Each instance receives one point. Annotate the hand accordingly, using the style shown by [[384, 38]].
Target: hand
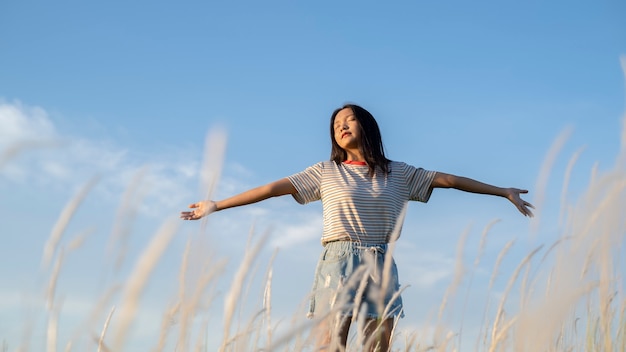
[[201, 209], [513, 194]]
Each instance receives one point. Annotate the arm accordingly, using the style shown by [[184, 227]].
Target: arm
[[274, 189], [442, 180]]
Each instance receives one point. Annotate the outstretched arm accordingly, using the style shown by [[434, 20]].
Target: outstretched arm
[[442, 180], [274, 189]]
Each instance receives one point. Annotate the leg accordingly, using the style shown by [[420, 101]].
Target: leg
[[378, 334], [332, 335]]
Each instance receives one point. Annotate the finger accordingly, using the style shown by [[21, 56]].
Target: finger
[[523, 191], [194, 205], [528, 212], [529, 205], [187, 215]]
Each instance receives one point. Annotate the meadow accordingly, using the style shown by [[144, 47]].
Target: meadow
[[569, 294]]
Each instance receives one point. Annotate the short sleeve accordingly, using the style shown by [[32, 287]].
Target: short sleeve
[[308, 184], [419, 182]]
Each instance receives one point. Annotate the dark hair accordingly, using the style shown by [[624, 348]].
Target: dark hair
[[371, 141]]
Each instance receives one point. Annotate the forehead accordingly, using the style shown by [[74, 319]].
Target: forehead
[[343, 114]]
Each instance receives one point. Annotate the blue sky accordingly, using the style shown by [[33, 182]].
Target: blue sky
[[476, 89]]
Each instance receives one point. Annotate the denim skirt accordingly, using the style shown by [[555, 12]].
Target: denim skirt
[[351, 279]]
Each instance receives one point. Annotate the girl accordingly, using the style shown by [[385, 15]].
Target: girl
[[363, 197]]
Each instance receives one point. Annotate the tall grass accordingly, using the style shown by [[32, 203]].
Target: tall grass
[[571, 292]]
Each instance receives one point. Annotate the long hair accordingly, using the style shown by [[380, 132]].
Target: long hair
[[371, 143]]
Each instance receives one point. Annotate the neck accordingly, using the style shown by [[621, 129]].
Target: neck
[[354, 155]]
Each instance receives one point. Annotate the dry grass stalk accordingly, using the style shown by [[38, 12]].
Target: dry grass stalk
[[104, 330], [16, 148], [202, 340], [410, 340], [544, 321], [502, 334], [234, 294], [167, 321], [139, 278], [595, 230], [485, 321], [214, 151], [191, 306], [499, 259], [386, 274], [297, 330], [568, 173], [481, 248], [182, 284], [621, 331], [396, 295], [79, 240], [248, 288], [621, 161], [360, 292], [544, 174], [52, 330], [459, 272], [54, 276], [267, 300], [50, 293], [211, 170], [496, 338], [63, 220], [96, 313], [126, 213]]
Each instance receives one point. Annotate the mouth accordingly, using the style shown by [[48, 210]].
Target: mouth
[[345, 134]]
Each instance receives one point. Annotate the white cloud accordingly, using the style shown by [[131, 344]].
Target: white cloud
[[26, 158], [23, 128], [308, 227], [19, 123], [423, 269]]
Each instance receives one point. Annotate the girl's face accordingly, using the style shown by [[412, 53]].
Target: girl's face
[[347, 130]]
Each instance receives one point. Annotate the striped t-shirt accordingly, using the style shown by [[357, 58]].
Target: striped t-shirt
[[357, 207]]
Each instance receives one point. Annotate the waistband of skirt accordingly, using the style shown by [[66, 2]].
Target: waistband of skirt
[[347, 244]]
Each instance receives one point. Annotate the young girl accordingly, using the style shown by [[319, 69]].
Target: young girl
[[363, 197]]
